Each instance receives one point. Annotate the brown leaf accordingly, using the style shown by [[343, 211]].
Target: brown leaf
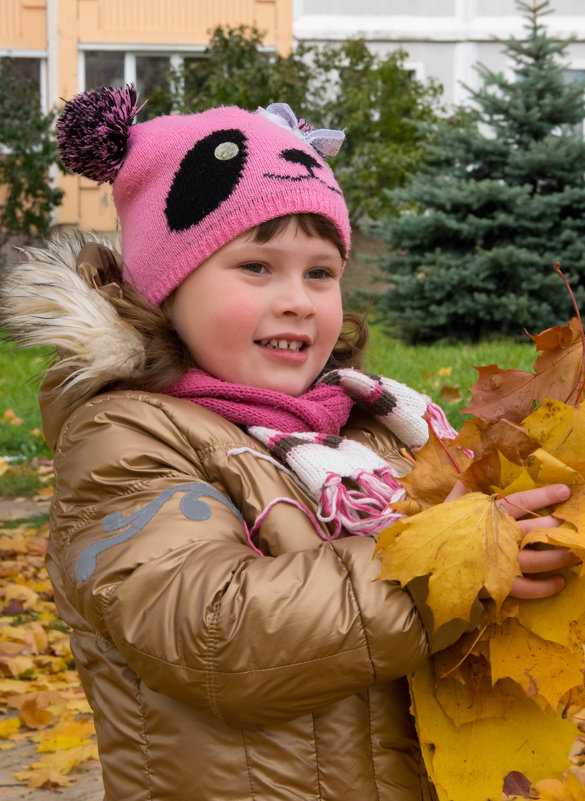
[[508, 438], [514, 394], [34, 717], [516, 783], [450, 394], [434, 474]]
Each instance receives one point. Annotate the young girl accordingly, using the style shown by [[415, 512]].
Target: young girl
[[222, 470]]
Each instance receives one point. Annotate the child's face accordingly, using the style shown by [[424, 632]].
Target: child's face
[[263, 314]]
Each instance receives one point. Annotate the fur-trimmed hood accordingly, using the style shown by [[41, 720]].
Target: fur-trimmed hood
[[52, 298], [49, 299]]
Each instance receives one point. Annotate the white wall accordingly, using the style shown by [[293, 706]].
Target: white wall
[[444, 38]]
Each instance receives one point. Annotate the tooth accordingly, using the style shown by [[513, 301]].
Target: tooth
[[283, 344]]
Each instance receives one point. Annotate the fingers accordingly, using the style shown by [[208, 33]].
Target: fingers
[[532, 561], [548, 521], [531, 589], [520, 503], [458, 491]]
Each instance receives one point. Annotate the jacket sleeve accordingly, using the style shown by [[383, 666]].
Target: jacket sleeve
[[154, 557]]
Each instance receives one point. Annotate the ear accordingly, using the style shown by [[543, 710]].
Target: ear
[[92, 131]]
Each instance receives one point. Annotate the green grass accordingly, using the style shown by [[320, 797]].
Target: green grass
[[21, 439], [434, 369], [19, 388]]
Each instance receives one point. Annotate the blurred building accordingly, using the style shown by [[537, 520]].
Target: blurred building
[[68, 46], [444, 39]]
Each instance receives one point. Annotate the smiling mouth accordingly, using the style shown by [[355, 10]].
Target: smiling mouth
[[282, 344]]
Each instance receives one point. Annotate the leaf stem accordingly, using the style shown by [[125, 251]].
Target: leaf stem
[[558, 271], [465, 655], [441, 443]]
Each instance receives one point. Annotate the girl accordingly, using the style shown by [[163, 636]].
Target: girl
[[222, 470]]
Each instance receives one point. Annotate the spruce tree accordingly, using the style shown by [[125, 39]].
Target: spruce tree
[[500, 200]]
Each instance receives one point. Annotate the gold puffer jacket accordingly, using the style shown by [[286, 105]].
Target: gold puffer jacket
[[215, 674]]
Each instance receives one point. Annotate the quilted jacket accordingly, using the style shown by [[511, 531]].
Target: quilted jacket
[[215, 674]]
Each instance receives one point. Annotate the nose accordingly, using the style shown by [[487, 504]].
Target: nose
[[294, 299]]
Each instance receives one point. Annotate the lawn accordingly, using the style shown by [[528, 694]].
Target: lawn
[[445, 372]]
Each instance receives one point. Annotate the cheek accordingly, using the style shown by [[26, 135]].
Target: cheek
[[334, 321], [223, 326]]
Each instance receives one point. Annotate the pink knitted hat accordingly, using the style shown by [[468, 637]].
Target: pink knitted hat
[[185, 185]]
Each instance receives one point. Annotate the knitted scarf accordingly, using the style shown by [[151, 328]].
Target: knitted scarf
[[353, 487]]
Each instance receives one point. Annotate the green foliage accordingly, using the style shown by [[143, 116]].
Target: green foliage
[[374, 99], [27, 150], [500, 199]]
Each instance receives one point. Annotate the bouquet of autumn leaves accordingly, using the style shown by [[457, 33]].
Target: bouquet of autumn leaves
[[499, 711]]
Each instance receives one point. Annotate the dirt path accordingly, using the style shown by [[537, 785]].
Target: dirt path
[[87, 784]]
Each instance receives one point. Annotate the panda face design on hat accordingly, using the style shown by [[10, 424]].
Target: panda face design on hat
[[219, 160], [185, 185]]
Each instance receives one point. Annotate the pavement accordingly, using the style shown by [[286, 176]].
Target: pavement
[[14, 757]]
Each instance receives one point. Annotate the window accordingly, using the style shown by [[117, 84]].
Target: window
[[147, 70], [103, 68], [28, 72]]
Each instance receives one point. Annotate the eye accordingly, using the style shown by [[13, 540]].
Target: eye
[[320, 273], [255, 267]]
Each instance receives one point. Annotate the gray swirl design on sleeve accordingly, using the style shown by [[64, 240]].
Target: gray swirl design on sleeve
[[191, 505]]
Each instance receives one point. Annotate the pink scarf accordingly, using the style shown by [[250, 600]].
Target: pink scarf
[[353, 487], [324, 409]]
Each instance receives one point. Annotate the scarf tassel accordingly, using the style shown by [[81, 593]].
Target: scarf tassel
[[438, 420], [364, 511]]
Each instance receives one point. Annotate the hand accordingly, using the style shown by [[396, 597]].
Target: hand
[[532, 562]]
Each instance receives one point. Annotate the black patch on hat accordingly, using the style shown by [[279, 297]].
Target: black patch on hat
[[207, 176]]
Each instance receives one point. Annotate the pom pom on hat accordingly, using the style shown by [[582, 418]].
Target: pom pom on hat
[[92, 131]]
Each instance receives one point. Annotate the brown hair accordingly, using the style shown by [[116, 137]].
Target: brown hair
[[167, 357], [310, 224]]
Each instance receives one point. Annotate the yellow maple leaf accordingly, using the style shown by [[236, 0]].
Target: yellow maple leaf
[[60, 742], [548, 469], [554, 618], [18, 592], [545, 670], [513, 477], [52, 768], [463, 545], [462, 705], [17, 665], [560, 429], [9, 727], [470, 763]]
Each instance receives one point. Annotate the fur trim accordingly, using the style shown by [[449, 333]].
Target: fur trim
[[45, 302]]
